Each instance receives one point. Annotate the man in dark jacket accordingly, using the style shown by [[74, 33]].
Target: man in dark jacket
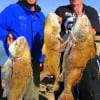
[[64, 12], [68, 15]]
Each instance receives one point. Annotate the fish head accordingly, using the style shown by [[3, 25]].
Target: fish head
[[18, 47], [52, 20], [82, 27]]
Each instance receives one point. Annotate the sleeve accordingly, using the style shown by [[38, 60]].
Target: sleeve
[[3, 34], [5, 22], [58, 12], [38, 35], [94, 19], [42, 38]]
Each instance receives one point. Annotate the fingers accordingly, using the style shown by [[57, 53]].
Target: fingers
[[10, 39], [41, 66], [59, 20], [94, 31]]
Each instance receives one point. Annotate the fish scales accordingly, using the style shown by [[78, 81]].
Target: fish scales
[[79, 49]]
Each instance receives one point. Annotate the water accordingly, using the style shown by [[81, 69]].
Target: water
[[3, 57]]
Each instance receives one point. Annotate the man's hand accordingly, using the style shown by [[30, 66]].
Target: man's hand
[[10, 39], [59, 20], [94, 31], [41, 66]]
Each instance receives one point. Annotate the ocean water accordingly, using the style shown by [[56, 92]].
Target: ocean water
[[3, 57]]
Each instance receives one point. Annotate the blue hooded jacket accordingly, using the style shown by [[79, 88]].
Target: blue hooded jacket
[[19, 20]]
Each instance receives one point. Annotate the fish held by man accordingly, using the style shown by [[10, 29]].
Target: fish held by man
[[79, 49], [51, 47], [21, 69]]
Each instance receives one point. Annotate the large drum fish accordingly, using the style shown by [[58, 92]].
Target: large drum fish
[[52, 42], [79, 49], [21, 69]]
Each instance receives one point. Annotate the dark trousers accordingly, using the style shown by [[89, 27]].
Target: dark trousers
[[36, 73]]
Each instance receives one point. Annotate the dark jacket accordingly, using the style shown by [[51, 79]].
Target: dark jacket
[[89, 11]]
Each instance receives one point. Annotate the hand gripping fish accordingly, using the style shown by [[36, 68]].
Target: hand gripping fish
[[79, 49], [21, 69], [52, 42]]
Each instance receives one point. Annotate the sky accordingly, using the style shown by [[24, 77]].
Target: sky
[[51, 5]]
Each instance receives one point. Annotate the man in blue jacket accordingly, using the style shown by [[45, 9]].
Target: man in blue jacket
[[24, 18]]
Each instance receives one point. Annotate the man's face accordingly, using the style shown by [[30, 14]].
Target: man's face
[[75, 2], [77, 6], [31, 2]]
